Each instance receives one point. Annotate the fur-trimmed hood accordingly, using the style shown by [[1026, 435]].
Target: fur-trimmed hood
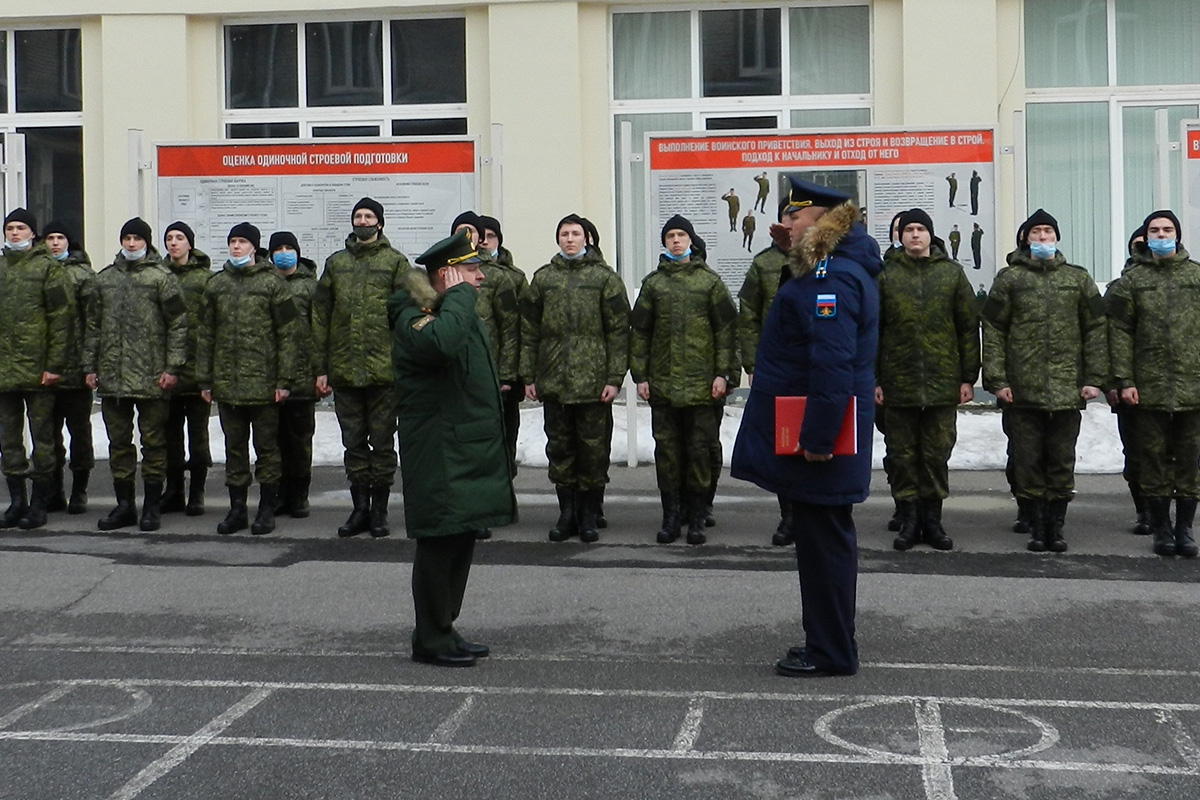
[[837, 231]]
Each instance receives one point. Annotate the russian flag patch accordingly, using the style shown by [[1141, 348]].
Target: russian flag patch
[[827, 306]]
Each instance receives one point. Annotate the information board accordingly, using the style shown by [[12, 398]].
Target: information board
[[1190, 235], [309, 187], [729, 185]]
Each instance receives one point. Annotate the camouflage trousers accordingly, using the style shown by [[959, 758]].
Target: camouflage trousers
[[152, 429], [1041, 448], [1169, 448], [367, 416], [1127, 430], [73, 408], [578, 443], [717, 455], [881, 426], [512, 423], [191, 412], [683, 441], [38, 408], [919, 442], [239, 422], [297, 424]]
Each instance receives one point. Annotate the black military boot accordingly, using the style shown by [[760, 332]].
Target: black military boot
[[125, 514], [57, 501], [77, 504], [897, 518], [195, 501], [601, 520], [1160, 525], [910, 525], [1036, 508], [587, 506], [379, 508], [360, 518], [669, 531], [1021, 525], [35, 514], [1141, 526], [173, 498], [1056, 517], [283, 497], [565, 527], [697, 511], [783, 531], [298, 507], [19, 503], [932, 531], [264, 520], [238, 517], [1185, 542], [152, 507]]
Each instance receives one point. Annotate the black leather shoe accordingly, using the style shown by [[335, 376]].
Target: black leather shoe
[[799, 668], [483, 534], [796, 652], [474, 649], [452, 659]]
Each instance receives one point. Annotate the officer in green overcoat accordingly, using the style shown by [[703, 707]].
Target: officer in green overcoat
[[453, 460]]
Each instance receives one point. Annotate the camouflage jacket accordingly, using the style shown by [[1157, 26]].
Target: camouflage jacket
[[78, 266], [496, 303], [193, 278], [928, 331], [139, 330], [754, 300], [247, 343], [1043, 333], [1154, 331], [682, 334], [574, 329], [36, 312], [351, 339], [303, 285]]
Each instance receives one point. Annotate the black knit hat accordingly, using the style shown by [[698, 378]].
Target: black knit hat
[[678, 223], [371, 205], [22, 215], [468, 218], [137, 227], [492, 224], [281, 238], [244, 230], [1139, 234], [57, 226], [918, 216], [183, 228], [895, 223], [570, 219], [1166, 214], [1039, 217]]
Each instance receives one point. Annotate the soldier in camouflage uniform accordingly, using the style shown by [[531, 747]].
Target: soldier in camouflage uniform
[[683, 357], [511, 388], [246, 361], [136, 347], [188, 410], [36, 311], [351, 346], [1154, 347], [298, 413], [927, 365], [574, 355], [758, 290], [72, 398], [894, 249], [1045, 354]]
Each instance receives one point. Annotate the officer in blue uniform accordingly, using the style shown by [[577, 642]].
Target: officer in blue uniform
[[818, 341]]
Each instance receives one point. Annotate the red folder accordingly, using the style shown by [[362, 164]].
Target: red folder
[[789, 415]]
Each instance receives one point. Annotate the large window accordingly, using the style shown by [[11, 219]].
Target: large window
[[371, 77], [1096, 73]]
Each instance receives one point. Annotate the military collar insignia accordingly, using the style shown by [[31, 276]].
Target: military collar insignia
[[826, 306], [822, 269], [423, 321]]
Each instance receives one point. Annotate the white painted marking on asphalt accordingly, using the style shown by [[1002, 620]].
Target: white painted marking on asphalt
[[28, 708], [445, 732], [685, 740], [931, 735], [1185, 745], [141, 701], [182, 751]]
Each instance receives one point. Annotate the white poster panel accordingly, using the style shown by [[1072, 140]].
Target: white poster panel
[[1190, 235]]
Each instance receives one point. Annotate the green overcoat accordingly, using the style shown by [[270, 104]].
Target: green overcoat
[[78, 266], [193, 278], [754, 300], [303, 285], [35, 317]]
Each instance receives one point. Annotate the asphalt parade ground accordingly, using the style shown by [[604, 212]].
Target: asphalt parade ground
[[183, 664]]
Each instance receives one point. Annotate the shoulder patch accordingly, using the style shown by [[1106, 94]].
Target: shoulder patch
[[826, 306], [422, 322]]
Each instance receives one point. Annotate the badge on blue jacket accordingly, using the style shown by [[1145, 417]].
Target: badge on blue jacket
[[827, 306]]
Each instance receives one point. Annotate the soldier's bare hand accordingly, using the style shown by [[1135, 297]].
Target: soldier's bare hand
[[609, 393], [718, 388], [504, 387], [50, 378], [452, 277], [1004, 394], [281, 395], [817, 456], [1129, 396], [878, 395], [90, 381], [1113, 397], [531, 392], [322, 386], [966, 393], [167, 381], [206, 395], [1089, 392], [643, 390]]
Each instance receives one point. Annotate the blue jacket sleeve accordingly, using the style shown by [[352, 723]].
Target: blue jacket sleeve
[[832, 350]]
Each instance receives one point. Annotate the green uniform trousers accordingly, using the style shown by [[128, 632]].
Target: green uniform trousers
[[881, 426], [152, 430], [716, 454], [578, 443], [191, 412], [367, 416], [38, 408], [239, 422], [1169, 447], [297, 424], [73, 408], [512, 423], [1127, 430], [440, 570], [683, 440], [919, 442], [1041, 446]]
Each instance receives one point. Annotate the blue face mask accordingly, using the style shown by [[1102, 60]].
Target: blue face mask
[[496, 253], [62, 256], [133, 256], [24, 244], [685, 254], [572, 258], [239, 261], [1161, 247], [285, 259], [1043, 250]]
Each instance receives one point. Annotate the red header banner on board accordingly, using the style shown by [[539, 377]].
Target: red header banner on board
[[382, 158]]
